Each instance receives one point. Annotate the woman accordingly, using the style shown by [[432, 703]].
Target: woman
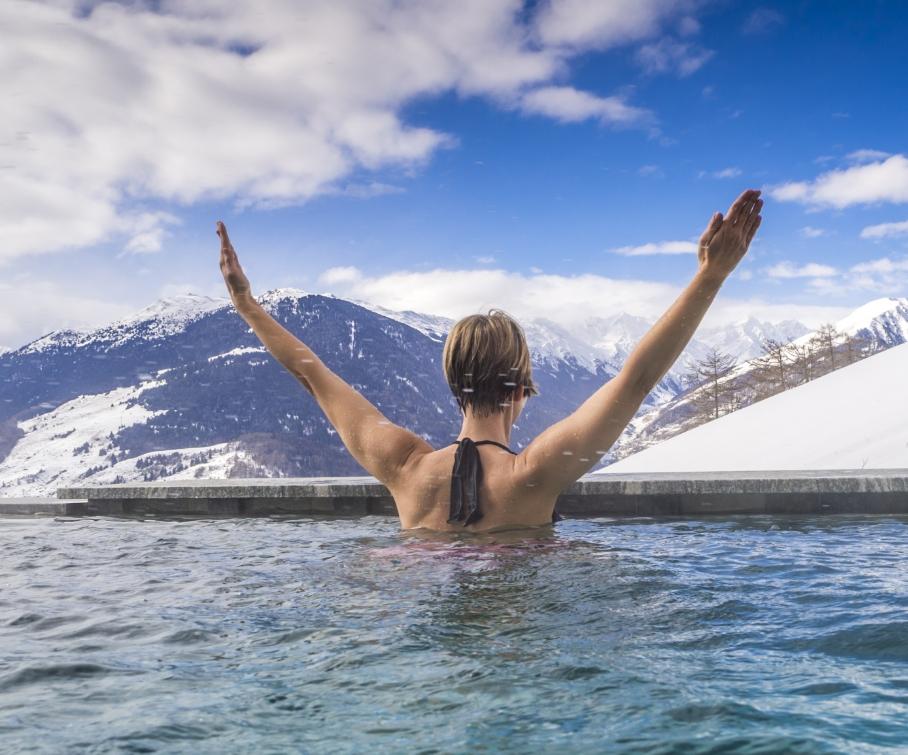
[[477, 483]]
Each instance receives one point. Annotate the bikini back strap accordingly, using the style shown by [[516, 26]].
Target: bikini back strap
[[494, 443], [465, 479]]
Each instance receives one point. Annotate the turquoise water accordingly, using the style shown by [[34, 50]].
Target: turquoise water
[[748, 634]]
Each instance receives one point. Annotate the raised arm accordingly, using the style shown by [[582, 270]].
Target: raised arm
[[568, 449], [380, 446]]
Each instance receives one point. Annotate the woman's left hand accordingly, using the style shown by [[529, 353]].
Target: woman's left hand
[[234, 277]]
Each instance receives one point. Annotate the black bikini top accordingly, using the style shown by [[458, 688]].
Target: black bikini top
[[465, 479]]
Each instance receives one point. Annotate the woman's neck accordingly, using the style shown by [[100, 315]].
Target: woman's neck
[[495, 427]]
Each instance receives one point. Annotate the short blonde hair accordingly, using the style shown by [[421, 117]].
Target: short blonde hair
[[486, 359]]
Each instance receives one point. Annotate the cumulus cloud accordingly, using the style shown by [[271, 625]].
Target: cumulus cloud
[[339, 275], [668, 54], [809, 232], [657, 247], [882, 265], [37, 307], [569, 300], [810, 270], [454, 293], [567, 104], [884, 276], [869, 183], [166, 103], [880, 277], [147, 231], [581, 24], [885, 230]]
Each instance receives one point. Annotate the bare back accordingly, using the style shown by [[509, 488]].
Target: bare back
[[508, 494]]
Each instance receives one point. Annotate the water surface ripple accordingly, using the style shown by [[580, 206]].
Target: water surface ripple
[[740, 634]]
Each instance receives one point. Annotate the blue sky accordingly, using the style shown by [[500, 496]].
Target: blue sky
[[449, 157]]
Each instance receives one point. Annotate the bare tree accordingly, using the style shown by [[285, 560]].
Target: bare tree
[[712, 395], [858, 346], [771, 370], [825, 340], [803, 359]]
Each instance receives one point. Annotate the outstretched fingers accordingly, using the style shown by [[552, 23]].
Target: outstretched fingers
[[741, 208], [227, 251], [715, 223], [752, 229], [752, 217]]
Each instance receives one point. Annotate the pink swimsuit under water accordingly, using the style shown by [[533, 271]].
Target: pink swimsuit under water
[[465, 479]]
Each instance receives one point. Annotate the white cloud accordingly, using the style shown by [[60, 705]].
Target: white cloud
[[688, 26], [658, 247], [567, 104], [668, 54], [882, 265], [171, 103], [30, 308], [867, 155], [762, 20], [810, 270], [454, 293], [885, 230], [809, 232], [567, 300], [147, 231], [884, 276], [601, 25], [885, 181], [650, 170], [339, 275], [730, 172], [485, 260]]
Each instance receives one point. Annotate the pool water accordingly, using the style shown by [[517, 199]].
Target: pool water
[[744, 634]]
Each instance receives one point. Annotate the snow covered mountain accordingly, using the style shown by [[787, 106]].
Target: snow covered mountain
[[882, 322], [183, 389], [853, 418], [744, 339]]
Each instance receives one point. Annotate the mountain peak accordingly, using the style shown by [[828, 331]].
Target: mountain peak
[[176, 306], [274, 295]]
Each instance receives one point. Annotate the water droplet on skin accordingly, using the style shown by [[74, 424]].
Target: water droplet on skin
[[567, 453]]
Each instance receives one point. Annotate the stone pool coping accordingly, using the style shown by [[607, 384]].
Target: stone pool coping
[[691, 494]]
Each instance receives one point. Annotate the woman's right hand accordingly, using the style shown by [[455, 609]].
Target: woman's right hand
[[725, 240]]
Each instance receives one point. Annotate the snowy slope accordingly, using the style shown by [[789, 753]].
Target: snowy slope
[[70, 440], [156, 322], [853, 418], [744, 339], [884, 321]]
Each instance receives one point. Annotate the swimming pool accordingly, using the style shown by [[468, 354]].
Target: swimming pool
[[747, 634]]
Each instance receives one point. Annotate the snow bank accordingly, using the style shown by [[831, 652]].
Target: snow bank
[[853, 418]]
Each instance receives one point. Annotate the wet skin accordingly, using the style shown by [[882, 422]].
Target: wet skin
[[517, 490]]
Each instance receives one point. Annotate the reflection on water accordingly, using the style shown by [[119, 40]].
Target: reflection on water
[[750, 634]]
